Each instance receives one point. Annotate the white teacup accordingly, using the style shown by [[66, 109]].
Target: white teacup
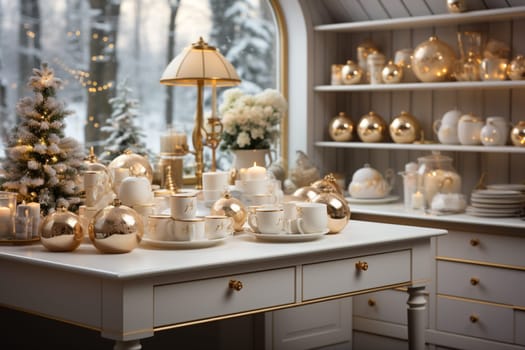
[[192, 229], [268, 220], [218, 226], [160, 227], [212, 195], [290, 217], [183, 205], [312, 217]]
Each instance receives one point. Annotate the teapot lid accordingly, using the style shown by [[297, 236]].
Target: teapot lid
[[366, 172]]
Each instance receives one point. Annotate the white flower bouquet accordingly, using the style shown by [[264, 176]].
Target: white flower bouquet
[[251, 121]]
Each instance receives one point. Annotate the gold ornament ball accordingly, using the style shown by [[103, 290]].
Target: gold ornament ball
[[516, 68], [341, 128], [232, 207], [337, 208], [116, 229], [138, 165], [351, 73], [392, 73], [517, 134], [61, 231], [328, 184], [371, 128], [305, 193], [433, 60], [456, 6], [404, 128]]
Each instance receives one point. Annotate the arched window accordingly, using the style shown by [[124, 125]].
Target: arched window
[[120, 50]]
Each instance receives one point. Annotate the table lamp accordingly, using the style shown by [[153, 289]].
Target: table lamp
[[200, 65]]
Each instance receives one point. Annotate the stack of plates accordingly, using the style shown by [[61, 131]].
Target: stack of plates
[[497, 203]]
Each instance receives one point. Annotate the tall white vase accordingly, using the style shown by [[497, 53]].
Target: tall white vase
[[245, 158]]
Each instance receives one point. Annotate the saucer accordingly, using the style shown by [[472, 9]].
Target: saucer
[[290, 237], [184, 244]]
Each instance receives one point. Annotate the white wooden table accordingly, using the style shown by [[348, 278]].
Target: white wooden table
[[131, 296]]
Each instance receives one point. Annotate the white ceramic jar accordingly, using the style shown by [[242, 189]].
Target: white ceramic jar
[[446, 128], [495, 132], [469, 129]]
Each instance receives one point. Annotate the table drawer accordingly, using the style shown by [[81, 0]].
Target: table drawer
[[494, 284], [475, 319], [387, 306], [179, 302], [497, 249], [344, 276]]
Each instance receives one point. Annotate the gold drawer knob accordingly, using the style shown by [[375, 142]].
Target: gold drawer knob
[[235, 285], [371, 302], [474, 318], [474, 281], [474, 242], [361, 265]]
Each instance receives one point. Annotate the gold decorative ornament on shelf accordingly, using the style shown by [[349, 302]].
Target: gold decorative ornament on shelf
[[61, 231], [341, 128], [371, 127]]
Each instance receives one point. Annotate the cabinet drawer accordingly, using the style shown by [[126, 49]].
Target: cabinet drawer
[[387, 305], [175, 303], [497, 249], [488, 321], [494, 284], [343, 276]]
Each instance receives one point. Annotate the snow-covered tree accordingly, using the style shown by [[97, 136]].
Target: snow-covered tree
[[42, 165], [123, 132], [246, 40]]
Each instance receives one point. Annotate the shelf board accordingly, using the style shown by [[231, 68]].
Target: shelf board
[[492, 15], [455, 85], [421, 147]]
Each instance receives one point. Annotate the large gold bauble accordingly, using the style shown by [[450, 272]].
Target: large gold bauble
[[433, 60], [351, 73], [116, 229], [517, 134], [404, 128], [516, 68], [328, 184], [232, 207], [337, 208], [341, 128], [61, 231], [305, 193], [138, 165], [371, 128]]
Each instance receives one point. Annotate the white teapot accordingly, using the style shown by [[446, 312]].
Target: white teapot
[[367, 182]]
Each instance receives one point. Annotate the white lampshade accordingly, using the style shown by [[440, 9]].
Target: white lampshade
[[200, 62]]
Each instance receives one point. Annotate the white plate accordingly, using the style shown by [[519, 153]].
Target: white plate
[[477, 212], [489, 205], [184, 244], [496, 193], [508, 187], [516, 201], [387, 199], [289, 237]]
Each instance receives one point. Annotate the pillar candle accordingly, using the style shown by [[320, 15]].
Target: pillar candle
[[417, 200], [33, 211], [256, 172]]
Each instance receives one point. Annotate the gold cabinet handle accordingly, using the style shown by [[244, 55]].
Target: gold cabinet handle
[[474, 281], [474, 242], [473, 318], [371, 302], [235, 285], [361, 265]]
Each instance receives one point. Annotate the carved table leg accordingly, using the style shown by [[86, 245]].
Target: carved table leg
[[416, 318], [127, 345]]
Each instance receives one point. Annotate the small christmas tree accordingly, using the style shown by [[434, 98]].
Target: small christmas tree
[[123, 133], [42, 165]]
